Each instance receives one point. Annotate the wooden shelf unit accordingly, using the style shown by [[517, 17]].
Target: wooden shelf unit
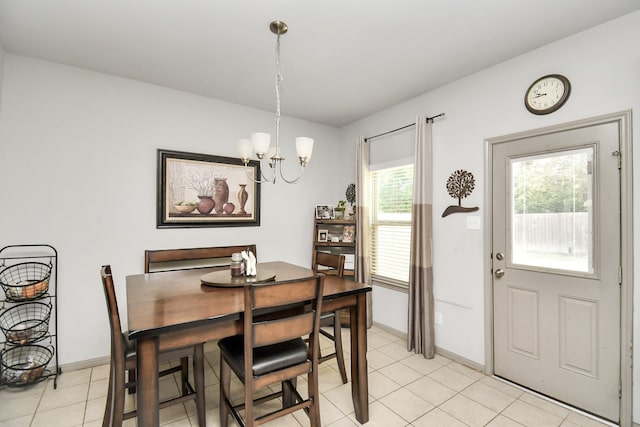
[[335, 228]]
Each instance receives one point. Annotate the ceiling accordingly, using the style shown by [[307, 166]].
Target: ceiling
[[341, 59]]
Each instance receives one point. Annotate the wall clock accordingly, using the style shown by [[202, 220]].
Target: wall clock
[[547, 94]]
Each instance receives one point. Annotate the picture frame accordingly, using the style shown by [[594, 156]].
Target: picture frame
[[323, 235], [347, 233], [201, 190], [325, 212]]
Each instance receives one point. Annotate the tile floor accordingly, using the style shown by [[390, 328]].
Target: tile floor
[[405, 390]]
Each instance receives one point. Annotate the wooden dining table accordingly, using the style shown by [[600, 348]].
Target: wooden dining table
[[169, 310]]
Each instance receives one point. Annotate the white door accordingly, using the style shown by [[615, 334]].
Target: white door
[[556, 264]]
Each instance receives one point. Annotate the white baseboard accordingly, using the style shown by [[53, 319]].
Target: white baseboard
[[442, 352], [459, 359], [84, 364], [391, 330]]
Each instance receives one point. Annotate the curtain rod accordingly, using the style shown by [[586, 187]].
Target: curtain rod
[[429, 119]]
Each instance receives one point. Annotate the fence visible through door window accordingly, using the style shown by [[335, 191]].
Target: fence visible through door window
[[551, 210]]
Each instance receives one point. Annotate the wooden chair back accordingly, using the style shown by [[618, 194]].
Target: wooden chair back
[[188, 258], [286, 319], [332, 261], [277, 314], [124, 358], [272, 314], [332, 264], [117, 340]]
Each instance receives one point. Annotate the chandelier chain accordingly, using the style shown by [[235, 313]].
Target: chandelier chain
[[278, 82]]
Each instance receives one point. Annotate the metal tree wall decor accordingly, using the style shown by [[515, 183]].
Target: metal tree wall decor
[[350, 194], [460, 185]]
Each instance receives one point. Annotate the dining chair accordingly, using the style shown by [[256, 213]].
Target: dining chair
[[271, 350], [334, 264], [158, 260], [123, 357]]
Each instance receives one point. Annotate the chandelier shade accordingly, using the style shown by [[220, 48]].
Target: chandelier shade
[[261, 142], [304, 148]]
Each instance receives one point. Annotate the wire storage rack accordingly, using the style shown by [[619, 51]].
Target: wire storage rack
[[28, 315]]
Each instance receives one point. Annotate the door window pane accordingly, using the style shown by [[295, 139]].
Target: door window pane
[[551, 210]]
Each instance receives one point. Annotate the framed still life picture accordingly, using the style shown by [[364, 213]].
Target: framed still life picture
[[200, 190]]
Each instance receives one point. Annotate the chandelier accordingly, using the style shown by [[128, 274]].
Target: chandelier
[[260, 142]]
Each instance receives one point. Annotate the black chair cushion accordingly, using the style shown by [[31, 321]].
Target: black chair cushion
[[265, 359]]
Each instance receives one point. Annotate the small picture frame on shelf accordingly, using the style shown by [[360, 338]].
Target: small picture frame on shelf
[[325, 212], [323, 235], [347, 233]]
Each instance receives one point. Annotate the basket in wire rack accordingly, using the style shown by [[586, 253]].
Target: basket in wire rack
[[24, 281], [25, 323], [25, 364]]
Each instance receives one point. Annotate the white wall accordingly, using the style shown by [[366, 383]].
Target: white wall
[[1, 71], [78, 171], [603, 65]]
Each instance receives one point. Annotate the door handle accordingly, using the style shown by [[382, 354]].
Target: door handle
[[499, 273]]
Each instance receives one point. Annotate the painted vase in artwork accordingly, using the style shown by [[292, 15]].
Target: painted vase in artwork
[[205, 205], [228, 208], [220, 193], [243, 196]]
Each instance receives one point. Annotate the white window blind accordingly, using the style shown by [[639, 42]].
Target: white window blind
[[391, 202]]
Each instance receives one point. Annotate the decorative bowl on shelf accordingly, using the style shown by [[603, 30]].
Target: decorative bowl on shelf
[[185, 209]]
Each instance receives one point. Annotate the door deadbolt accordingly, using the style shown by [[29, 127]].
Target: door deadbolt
[[499, 273], [499, 256]]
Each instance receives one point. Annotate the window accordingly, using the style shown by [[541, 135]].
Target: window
[[391, 204], [552, 210]]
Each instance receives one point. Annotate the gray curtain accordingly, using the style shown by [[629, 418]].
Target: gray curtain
[[421, 335], [362, 267]]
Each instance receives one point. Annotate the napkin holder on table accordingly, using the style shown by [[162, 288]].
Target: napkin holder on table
[[250, 263]]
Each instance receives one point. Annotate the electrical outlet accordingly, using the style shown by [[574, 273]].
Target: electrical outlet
[[438, 318]]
